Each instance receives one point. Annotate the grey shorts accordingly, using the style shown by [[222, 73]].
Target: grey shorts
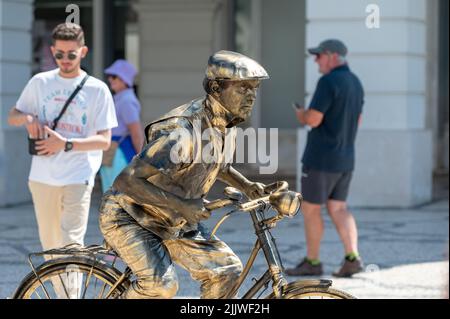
[[318, 186]]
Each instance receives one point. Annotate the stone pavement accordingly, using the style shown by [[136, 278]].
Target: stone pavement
[[405, 250]]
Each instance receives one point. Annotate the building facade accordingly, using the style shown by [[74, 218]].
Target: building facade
[[15, 69], [398, 145], [402, 62]]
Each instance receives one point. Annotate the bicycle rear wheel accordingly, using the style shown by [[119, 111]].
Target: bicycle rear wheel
[[70, 278]]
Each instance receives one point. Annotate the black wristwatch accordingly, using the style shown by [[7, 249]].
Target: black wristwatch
[[68, 146]]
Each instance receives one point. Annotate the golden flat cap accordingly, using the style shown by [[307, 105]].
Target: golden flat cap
[[233, 66]]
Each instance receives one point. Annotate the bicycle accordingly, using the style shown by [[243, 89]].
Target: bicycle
[[62, 274]]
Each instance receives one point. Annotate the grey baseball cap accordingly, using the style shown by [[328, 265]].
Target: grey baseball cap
[[331, 46]]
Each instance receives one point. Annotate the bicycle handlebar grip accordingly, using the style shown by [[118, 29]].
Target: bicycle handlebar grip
[[219, 203], [276, 187]]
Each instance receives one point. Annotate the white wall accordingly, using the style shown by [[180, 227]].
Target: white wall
[[15, 68]]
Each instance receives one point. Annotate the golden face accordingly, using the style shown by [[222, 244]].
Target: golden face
[[238, 97]]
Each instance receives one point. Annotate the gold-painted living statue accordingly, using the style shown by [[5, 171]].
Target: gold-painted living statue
[[151, 217]]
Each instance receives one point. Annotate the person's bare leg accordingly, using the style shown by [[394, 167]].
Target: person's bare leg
[[345, 225], [313, 229]]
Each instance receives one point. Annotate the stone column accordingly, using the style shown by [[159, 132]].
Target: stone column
[[394, 145], [176, 39], [15, 66], [98, 22]]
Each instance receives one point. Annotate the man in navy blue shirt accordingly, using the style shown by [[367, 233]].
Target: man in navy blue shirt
[[328, 161]]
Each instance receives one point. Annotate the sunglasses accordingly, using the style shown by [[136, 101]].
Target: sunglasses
[[71, 56], [319, 55]]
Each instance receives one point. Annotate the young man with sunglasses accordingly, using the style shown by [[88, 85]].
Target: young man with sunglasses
[[68, 157]]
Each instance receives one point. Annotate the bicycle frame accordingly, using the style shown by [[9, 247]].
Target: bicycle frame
[[274, 272]]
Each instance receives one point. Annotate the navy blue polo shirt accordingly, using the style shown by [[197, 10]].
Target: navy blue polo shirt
[[331, 146]]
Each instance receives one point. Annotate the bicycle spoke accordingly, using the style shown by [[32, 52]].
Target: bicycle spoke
[[37, 293], [45, 289], [64, 286], [103, 290], [88, 279], [95, 288], [46, 294]]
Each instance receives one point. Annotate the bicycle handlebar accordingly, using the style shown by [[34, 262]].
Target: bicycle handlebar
[[253, 204], [221, 203]]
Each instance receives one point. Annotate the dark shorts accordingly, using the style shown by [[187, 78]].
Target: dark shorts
[[318, 186]]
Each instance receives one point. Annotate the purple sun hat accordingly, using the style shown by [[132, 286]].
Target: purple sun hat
[[124, 70]]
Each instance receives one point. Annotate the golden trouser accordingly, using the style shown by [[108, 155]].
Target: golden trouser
[[150, 258]]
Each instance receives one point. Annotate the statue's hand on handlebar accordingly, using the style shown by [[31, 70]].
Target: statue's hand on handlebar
[[255, 190]]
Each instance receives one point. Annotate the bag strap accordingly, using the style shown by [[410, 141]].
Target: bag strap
[[74, 93]]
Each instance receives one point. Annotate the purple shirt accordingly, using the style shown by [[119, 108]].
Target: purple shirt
[[128, 109]]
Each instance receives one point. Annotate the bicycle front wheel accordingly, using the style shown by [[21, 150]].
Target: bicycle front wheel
[[319, 293], [312, 290], [70, 278]]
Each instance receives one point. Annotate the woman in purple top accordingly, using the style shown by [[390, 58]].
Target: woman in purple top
[[129, 132]]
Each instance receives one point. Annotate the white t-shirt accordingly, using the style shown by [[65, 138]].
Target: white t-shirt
[[91, 110]]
